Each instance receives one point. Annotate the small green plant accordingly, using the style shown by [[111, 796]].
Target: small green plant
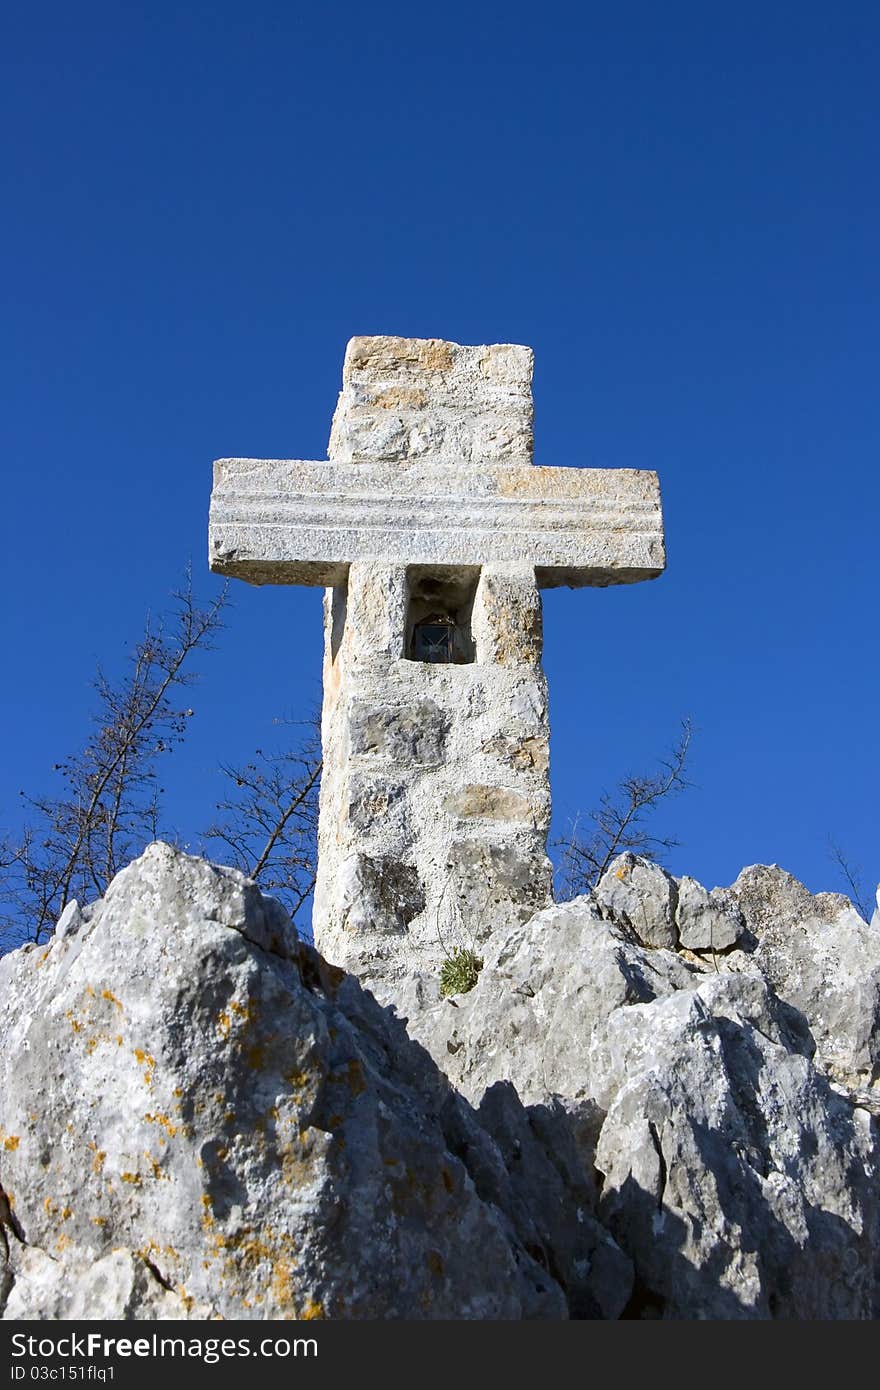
[[459, 971]]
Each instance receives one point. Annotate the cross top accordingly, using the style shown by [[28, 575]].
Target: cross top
[[430, 463], [411, 400]]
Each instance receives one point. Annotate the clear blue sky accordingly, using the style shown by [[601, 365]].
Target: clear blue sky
[[676, 205]]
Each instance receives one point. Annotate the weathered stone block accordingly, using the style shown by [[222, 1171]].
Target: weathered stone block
[[705, 922], [379, 895], [507, 620], [526, 754], [375, 802], [291, 521], [416, 735], [422, 398], [375, 611], [488, 875], [196, 1126], [642, 895], [489, 803]]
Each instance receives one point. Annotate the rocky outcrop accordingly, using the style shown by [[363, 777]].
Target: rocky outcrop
[[660, 910], [740, 1183], [701, 1089], [818, 953], [200, 1118], [543, 989]]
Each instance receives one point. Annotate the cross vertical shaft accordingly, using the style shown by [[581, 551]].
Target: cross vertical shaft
[[435, 799]]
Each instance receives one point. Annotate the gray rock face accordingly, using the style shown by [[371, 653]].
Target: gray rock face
[[706, 921], [118, 1285], [663, 911], [772, 899], [813, 949], [736, 1179], [642, 896], [740, 1183], [818, 953], [198, 1117], [544, 988]]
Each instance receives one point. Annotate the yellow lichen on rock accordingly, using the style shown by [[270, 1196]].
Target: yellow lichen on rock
[[163, 1120]]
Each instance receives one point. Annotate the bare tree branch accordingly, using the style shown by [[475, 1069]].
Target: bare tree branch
[[269, 823], [853, 878], [619, 822], [108, 809]]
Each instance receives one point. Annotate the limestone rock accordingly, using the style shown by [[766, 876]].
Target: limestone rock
[[422, 398], [556, 1199], [705, 920], [545, 986], [769, 897], [729, 1170], [118, 1285], [70, 920], [741, 1185], [200, 1118], [818, 953], [643, 896], [198, 1115]]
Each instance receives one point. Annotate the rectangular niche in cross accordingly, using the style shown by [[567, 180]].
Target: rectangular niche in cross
[[439, 609]]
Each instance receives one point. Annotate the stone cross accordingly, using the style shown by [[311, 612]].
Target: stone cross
[[433, 533]]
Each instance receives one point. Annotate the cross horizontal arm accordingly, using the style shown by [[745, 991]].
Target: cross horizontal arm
[[288, 521]]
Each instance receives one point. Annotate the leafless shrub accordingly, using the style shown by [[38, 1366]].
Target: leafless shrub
[[618, 823], [853, 877], [269, 822], [108, 809]]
